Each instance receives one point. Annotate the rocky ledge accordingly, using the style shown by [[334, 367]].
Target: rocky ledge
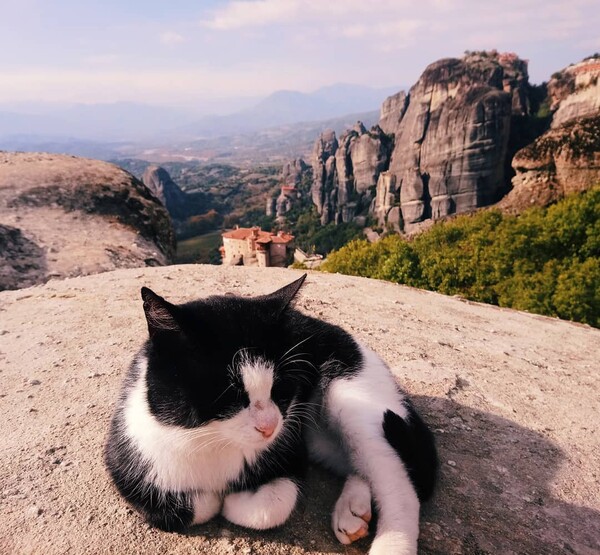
[[565, 159], [512, 399], [66, 216]]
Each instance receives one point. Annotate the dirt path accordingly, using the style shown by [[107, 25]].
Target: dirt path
[[513, 398]]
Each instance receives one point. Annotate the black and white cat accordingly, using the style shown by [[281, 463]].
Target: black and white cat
[[230, 397]]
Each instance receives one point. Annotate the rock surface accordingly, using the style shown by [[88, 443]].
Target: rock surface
[[563, 160], [324, 188], [66, 216], [574, 92], [345, 173], [451, 143], [392, 112], [512, 398], [444, 146], [159, 181], [292, 180], [293, 172]]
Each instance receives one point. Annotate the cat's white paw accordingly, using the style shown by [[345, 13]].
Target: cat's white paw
[[206, 505], [352, 512], [269, 506]]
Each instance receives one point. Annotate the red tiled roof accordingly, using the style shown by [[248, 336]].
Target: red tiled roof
[[263, 237], [284, 238]]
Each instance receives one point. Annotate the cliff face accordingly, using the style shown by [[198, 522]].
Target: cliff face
[[324, 188], [392, 112], [159, 181], [574, 92], [566, 158], [66, 216], [451, 142], [443, 146], [346, 173], [291, 192]]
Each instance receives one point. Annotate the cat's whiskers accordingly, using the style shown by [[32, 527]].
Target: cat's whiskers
[[282, 358], [226, 389], [304, 416], [302, 374]]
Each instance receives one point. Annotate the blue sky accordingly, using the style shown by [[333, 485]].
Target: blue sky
[[184, 52]]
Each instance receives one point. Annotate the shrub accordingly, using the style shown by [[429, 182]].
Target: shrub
[[545, 260]]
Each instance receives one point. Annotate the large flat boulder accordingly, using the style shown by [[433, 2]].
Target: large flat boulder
[[513, 399], [77, 216]]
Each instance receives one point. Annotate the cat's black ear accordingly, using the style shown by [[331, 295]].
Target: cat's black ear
[[159, 313], [285, 295]]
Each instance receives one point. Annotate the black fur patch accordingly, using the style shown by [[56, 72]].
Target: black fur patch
[[414, 442]]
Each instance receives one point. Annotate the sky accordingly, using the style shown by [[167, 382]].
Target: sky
[[189, 53]]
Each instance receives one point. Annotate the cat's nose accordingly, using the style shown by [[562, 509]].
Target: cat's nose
[[266, 429]]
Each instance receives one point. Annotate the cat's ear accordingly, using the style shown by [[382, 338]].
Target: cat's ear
[[159, 313], [285, 295]]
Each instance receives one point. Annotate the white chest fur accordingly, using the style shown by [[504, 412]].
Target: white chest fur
[[180, 459]]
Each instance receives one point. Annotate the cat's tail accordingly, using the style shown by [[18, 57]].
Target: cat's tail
[[375, 422]]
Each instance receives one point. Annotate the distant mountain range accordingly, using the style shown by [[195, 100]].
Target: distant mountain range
[[270, 145], [136, 122], [287, 107]]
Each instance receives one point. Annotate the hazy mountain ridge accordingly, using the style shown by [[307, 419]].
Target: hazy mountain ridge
[[288, 107], [139, 122]]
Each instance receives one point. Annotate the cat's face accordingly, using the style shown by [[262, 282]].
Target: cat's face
[[260, 420], [226, 364]]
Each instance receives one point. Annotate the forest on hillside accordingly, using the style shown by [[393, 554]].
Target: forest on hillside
[[546, 260]]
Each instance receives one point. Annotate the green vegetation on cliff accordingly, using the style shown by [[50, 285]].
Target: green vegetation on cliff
[[547, 260]]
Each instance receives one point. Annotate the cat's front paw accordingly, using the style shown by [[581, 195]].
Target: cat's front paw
[[206, 505], [269, 506], [352, 512]]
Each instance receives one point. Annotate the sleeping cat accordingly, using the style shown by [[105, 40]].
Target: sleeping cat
[[230, 397]]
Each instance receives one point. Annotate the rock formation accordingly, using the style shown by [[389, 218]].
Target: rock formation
[[345, 174], [324, 188], [511, 398], [451, 143], [65, 216], [292, 177], [159, 181], [574, 92], [566, 158], [293, 172], [392, 112], [444, 146]]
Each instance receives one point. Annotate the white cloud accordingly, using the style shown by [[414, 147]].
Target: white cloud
[[402, 29], [238, 14], [154, 86], [171, 38], [359, 18]]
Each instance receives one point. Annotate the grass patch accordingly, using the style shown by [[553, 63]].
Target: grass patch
[[202, 249]]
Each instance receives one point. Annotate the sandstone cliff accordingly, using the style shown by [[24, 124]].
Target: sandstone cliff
[[345, 173], [65, 216], [291, 193], [511, 397], [159, 181], [440, 150], [574, 92], [566, 158], [451, 142]]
